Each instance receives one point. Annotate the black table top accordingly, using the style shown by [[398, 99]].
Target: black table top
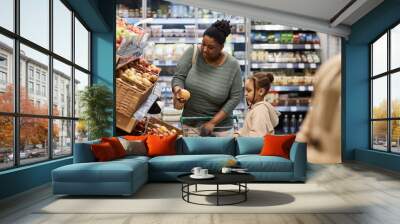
[[220, 178]]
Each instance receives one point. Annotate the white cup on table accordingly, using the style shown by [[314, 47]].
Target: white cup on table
[[203, 172], [196, 171]]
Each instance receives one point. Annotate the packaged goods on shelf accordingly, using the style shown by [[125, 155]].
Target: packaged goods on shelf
[[280, 37], [285, 57]]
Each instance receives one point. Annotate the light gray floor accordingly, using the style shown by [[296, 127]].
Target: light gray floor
[[379, 189]]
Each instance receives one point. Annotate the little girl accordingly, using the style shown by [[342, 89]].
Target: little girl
[[262, 117]]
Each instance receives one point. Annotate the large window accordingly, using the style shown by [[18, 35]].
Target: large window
[[385, 93], [40, 123]]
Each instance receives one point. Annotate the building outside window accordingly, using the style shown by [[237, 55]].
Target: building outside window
[[34, 57], [385, 96]]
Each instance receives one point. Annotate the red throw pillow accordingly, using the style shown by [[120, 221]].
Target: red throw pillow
[[277, 145], [135, 138], [116, 145], [161, 145], [103, 152]]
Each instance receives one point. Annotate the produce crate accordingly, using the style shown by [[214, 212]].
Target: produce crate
[[153, 126], [124, 123]]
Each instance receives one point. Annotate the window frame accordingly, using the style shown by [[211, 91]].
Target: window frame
[[388, 74], [16, 114]]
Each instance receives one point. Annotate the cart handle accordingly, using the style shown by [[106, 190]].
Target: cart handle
[[183, 119]]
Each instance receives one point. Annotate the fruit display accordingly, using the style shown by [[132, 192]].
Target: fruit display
[[127, 32], [155, 126], [139, 72], [287, 57], [285, 37]]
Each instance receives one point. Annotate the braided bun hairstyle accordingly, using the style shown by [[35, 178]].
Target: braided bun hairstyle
[[219, 31], [263, 80]]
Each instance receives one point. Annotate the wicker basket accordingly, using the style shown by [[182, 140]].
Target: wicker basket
[[129, 99]]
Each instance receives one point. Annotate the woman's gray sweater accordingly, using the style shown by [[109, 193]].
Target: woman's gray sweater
[[212, 88]]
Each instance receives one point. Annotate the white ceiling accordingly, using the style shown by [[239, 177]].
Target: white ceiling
[[308, 14]]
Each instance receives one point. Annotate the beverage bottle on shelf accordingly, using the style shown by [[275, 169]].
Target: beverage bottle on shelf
[[286, 124], [299, 121], [293, 124]]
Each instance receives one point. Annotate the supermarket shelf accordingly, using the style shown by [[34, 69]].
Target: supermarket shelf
[[292, 88], [284, 65], [272, 27], [182, 21], [287, 46], [292, 108], [186, 40]]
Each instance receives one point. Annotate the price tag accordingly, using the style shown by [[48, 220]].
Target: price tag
[[162, 40], [293, 108], [289, 46], [254, 65], [311, 88], [316, 46], [301, 65], [289, 65], [313, 65], [302, 88], [275, 46], [307, 46]]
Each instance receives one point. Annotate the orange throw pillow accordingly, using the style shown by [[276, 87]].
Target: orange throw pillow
[[135, 138], [277, 145], [161, 145], [103, 152], [116, 145]]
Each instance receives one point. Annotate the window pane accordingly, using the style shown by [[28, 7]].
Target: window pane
[[62, 89], [7, 14], [379, 97], [6, 74], [395, 138], [36, 62], [6, 142], [35, 21], [33, 139], [62, 141], [81, 81], [379, 135], [81, 45], [81, 131], [62, 29], [395, 47], [395, 94], [379, 55]]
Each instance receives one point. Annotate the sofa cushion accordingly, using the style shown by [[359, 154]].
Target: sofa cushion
[[207, 145], [103, 152], [185, 163], [257, 163], [161, 145], [83, 152], [249, 145], [277, 145], [116, 145], [112, 171]]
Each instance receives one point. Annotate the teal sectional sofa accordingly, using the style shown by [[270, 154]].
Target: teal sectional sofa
[[125, 176]]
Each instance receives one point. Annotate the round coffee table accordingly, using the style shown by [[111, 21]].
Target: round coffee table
[[238, 179]]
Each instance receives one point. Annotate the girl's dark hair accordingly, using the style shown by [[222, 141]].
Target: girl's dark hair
[[219, 31], [262, 80]]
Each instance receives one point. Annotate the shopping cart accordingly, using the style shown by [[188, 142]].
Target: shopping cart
[[189, 129]]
